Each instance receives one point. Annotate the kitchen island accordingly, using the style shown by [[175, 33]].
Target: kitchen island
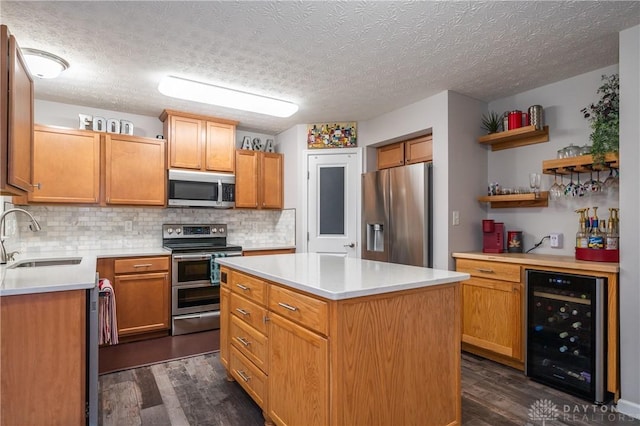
[[325, 340]]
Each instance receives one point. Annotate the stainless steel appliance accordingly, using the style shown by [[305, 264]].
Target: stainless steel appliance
[[195, 291], [396, 215], [201, 189], [566, 333]]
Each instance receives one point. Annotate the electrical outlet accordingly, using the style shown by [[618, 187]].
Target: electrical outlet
[[128, 226], [455, 218], [556, 240]]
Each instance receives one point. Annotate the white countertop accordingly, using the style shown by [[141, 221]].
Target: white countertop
[[43, 279], [337, 278]]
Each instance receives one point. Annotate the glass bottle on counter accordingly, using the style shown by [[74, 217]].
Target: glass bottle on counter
[[596, 237], [582, 240], [612, 239]]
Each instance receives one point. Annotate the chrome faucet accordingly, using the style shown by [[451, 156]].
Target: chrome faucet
[[33, 226]]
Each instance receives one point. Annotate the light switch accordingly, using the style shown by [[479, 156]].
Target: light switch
[[128, 226], [455, 219]]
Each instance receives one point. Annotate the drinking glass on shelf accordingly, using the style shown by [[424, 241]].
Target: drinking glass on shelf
[[593, 186], [570, 190], [611, 184], [534, 183]]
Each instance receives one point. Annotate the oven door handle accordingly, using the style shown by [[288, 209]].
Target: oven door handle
[[180, 257]]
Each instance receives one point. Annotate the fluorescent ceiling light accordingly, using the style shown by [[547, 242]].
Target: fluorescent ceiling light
[[214, 95], [44, 64]]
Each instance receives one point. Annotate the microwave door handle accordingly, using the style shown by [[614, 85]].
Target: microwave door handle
[[219, 191]]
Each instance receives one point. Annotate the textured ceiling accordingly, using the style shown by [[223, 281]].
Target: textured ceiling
[[337, 60]]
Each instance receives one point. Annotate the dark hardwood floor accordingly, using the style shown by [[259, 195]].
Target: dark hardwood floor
[[194, 391], [136, 354]]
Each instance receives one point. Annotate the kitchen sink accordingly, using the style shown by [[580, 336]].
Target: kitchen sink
[[33, 263]]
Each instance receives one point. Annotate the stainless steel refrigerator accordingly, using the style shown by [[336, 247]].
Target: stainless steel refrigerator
[[396, 215]]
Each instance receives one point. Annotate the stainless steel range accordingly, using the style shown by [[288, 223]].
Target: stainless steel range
[[195, 282]]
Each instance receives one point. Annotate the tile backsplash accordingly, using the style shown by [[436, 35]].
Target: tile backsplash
[[67, 228]]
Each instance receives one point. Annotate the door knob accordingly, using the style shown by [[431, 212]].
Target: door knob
[[352, 245]]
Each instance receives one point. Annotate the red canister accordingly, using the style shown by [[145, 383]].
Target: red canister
[[518, 119]]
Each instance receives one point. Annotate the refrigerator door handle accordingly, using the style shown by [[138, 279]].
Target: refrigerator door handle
[[350, 245]]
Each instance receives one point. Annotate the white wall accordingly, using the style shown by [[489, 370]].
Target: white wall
[[562, 102], [291, 143], [629, 224], [66, 115]]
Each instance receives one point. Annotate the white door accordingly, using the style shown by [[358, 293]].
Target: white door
[[332, 194]]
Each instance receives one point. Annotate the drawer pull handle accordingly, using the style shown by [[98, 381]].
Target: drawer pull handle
[[486, 271], [289, 307], [243, 341], [243, 287], [143, 265], [242, 311], [243, 375]]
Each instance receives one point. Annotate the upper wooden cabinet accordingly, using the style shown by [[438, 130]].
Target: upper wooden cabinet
[[84, 167], [16, 120], [198, 142], [259, 180], [66, 166], [416, 150], [135, 170]]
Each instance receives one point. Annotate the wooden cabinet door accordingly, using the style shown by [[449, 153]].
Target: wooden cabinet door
[[66, 166], [142, 302], [246, 179], [17, 142], [220, 147], [298, 374], [491, 315], [271, 180], [224, 326], [185, 143], [135, 171], [419, 150], [43, 347], [391, 155]]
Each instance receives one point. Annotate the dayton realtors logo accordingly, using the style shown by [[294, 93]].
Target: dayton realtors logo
[[544, 410]]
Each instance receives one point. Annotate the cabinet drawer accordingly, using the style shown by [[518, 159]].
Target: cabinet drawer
[[141, 264], [249, 376], [305, 310], [492, 270], [250, 342], [250, 287], [249, 312]]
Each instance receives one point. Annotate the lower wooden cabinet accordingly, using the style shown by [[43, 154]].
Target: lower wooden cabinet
[[306, 360], [142, 287], [492, 311], [298, 368], [43, 358], [268, 251]]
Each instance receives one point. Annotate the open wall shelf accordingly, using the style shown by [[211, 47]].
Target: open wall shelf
[[580, 164], [527, 135], [516, 200]]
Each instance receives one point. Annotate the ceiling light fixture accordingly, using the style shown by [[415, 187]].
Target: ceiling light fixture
[[44, 64], [215, 95]]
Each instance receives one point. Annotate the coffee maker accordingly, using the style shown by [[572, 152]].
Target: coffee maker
[[492, 236]]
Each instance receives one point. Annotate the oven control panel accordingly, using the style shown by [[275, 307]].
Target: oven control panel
[[171, 231]]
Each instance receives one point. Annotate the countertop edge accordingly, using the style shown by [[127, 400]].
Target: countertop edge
[[453, 277], [567, 262]]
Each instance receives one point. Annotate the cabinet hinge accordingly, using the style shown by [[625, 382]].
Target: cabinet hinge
[[307, 236], [308, 174]]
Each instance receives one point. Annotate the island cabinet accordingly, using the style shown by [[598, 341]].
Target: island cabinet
[[16, 120], [259, 180], [199, 142], [142, 288], [311, 360], [494, 299], [43, 358]]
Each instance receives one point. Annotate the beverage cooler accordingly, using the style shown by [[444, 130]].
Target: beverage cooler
[[566, 333]]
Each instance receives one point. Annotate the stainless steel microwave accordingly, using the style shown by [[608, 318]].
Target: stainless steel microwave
[[201, 189]]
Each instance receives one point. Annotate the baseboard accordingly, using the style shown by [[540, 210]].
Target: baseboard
[[628, 408]]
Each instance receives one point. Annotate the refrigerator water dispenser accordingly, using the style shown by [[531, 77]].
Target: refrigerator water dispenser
[[375, 237]]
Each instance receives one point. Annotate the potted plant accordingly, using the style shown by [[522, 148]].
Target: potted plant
[[604, 117], [491, 122]]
